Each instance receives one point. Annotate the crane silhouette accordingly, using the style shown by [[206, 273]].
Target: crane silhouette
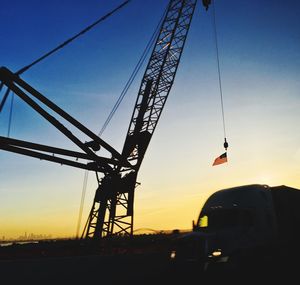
[[113, 206]]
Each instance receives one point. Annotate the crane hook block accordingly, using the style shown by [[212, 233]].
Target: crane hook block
[[225, 144], [206, 3]]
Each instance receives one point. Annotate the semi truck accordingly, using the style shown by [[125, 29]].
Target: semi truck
[[244, 226]]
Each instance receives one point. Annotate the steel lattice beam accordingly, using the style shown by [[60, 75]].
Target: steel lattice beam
[[161, 71], [112, 210]]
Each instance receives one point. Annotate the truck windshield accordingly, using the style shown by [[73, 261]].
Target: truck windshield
[[224, 218]]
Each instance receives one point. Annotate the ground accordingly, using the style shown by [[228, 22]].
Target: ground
[[144, 261]]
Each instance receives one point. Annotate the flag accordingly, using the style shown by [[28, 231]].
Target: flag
[[221, 159]]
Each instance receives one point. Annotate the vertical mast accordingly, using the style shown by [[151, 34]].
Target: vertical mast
[[112, 210], [158, 78]]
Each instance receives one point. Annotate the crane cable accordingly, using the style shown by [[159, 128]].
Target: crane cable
[[219, 72], [25, 68], [10, 115], [85, 180]]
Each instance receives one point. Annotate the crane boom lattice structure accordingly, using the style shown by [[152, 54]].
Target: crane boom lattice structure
[[112, 210]]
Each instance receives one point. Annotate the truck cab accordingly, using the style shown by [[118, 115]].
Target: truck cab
[[233, 224]]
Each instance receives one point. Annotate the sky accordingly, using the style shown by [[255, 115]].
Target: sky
[[259, 51]]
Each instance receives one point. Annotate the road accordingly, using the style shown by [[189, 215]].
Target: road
[[138, 266]]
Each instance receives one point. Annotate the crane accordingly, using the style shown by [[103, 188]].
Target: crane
[[112, 211]]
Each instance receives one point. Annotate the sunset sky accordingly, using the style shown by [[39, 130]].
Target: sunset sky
[[259, 49]]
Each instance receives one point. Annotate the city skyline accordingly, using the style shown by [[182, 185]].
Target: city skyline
[[26, 237]]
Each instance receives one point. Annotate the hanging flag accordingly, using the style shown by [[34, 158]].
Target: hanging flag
[[221, 159]]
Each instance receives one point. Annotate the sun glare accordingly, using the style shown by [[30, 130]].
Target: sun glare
[[266, 179]]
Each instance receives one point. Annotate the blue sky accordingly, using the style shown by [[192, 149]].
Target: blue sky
[[259, 48]]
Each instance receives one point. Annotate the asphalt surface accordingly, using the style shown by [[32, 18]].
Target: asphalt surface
[[67, 263]]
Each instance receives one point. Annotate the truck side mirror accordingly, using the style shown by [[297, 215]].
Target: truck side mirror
[[194, 225]]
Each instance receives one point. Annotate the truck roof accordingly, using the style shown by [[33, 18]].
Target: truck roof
[[240, 196]]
